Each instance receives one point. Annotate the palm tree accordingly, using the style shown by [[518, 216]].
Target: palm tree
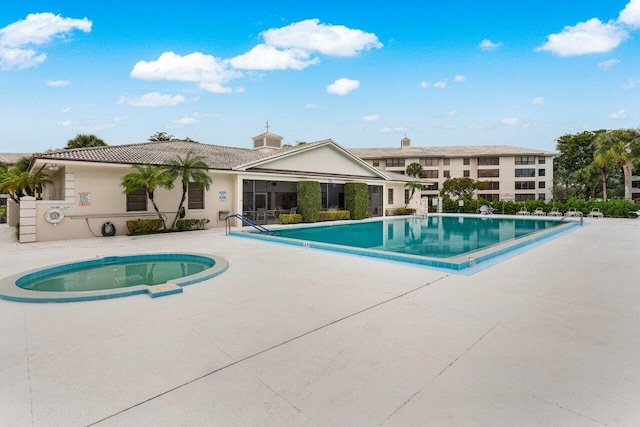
[[414, 170], [413, 186], [85, 141], [603, 163], [150, 178], [17, 183], [189, 169], [622, 145]]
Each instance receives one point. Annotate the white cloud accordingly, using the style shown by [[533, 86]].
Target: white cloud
[[312, 36], [620, 114], [208, 71], [371, 118], [312, 107], [511, 121], [451, 113], [119, 119], [592, 36], [440, 85], [58, 83], [385, 129], [36, 30], [460, 79], [63, 110], [185, 121], [487, 44], [630, 15], [65, 124], [343, 86], [264, 57], [631, 83], [424, 85], [153, 99], [606, 65], [538, 100]]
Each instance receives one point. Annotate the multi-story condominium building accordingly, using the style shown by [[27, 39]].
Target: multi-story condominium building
[[512, 173]]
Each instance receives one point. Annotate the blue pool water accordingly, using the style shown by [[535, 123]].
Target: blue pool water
[[112, 277], [445, 241]]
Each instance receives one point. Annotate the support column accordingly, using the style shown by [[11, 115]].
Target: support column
[[27, 219]]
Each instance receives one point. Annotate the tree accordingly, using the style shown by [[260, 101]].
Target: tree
[[85, 141], [603, 163], [161, 136], [414, 169], [413, 186], [150, 178], [461, 187], [23, 163], [190, 169], [623, 146], [17, 183], [576, 152]]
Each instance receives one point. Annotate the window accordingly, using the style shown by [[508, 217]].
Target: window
[[489, 197], [137, 201], [541, 196], [395, 163], [446, 162], [542, 172], [429, 161], [492, 185], [541, 184], [635, 184], [406, 197], [525, 185], [525, 173], [488, 173], [466, 173], [523, 197], [430, 174], [390, 196], [376, 162], [541, 160], [195, 196], [525, 160], [466, 161], [446, 174], [488, 161]]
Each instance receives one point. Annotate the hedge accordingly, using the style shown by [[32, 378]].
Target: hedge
[[290, 218], [192, 224], [309, 200], [144, 226], [334, 215], [356, 199], [400, 211]]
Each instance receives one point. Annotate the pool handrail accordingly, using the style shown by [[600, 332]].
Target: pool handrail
[[247, 221]]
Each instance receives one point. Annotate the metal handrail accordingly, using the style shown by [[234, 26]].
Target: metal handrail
[[247, 221]]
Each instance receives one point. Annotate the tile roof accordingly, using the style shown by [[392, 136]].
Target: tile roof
[[453, 151], [159, 153], [12, 158]]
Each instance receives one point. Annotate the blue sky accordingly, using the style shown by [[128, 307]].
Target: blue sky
[[364, 74]]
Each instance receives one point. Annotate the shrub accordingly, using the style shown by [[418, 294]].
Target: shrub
[[144, 226], [192, 224], [290, 218], [334, 215], [401, 211], [309, 200], [356, 199]]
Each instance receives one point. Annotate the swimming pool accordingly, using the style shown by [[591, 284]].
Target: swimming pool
[[448, 241], [110, 277]]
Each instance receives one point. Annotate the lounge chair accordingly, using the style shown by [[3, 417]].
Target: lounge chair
[[539, 212], [485, 210], [636, 213], [573, 212], [554, 212], [523, 211], [595, 213]]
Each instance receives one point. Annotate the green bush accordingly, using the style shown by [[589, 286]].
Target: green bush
[[309, 200], [290, 218], [400, 211], [144, 226], [192, 224], [334, 215], [356, 199]]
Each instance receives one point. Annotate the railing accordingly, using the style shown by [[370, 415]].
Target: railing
[[247, 221]]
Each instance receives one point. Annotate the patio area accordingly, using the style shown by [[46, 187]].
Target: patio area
[[292, 336]]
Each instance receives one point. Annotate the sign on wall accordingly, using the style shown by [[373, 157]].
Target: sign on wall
[[84, 199], [222, 196]]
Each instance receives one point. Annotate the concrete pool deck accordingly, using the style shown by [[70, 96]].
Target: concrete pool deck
[[293, 336]]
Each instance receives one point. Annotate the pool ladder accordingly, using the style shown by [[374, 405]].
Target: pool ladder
[[247, 221]]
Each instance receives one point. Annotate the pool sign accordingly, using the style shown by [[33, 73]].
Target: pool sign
[[222, 196], [85, 199]]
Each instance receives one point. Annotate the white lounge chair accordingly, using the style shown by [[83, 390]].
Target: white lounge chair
[[539, 212], [485, 210], [573, 212], [523, 211], [595, 213], [554, 212]]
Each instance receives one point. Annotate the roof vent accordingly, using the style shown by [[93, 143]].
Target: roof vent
[[267, 140], [405, 142]]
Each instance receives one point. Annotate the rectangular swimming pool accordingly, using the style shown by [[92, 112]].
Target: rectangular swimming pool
[[448, 241]]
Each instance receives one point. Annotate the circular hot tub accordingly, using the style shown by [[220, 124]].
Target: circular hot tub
[[112, 277]]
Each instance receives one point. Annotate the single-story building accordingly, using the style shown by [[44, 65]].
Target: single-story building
[[85, 192]]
